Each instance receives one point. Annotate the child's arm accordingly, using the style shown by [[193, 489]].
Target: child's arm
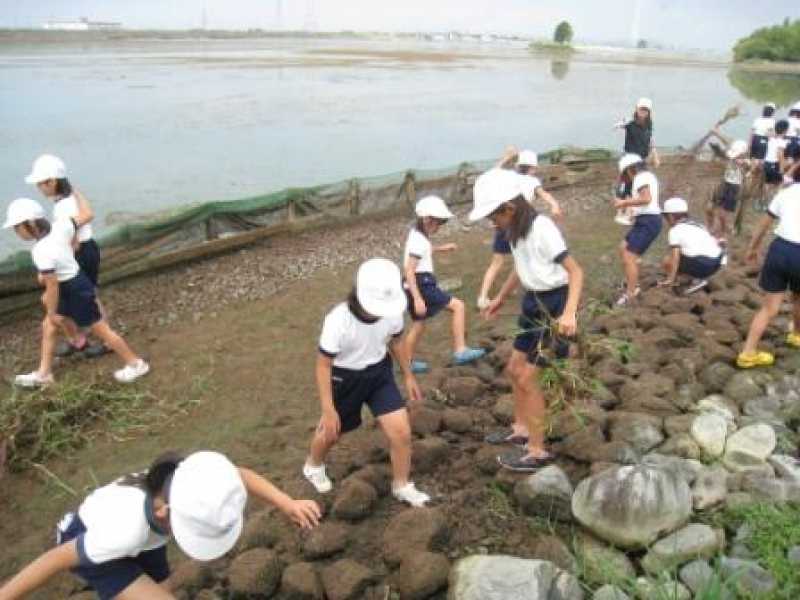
[[509, 286], [654, 155], [85, 212], [758, 236], [673, 269], [547, 197], [305, 513], [568, 322], [330, 422], [488, 279], [40, 571], [445, 248], [509, 157], [642, 198], [411, 281], [400, 353]]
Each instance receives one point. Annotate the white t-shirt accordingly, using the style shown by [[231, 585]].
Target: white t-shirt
[[420, 247], [354, 344], [773, 145], [785, 206], [67, 208], [116, 525], [734, 173], [529, 185], [54, 254], [694, 240], [646, 178], [535, 257], [794, 127], [763, 125]]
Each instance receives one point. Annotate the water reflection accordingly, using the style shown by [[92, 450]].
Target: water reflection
[[559, 68], [781, 88]]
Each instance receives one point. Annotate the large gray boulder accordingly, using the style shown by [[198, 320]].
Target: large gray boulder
[[632, 506], [500, 577], [693, 541], [709, 431], [545, 493], [749, 447]]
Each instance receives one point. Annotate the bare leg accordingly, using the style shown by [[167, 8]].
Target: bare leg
[[114, 341], [144, 588], [397, 429], [412, 339], [796, 312], [770, 306], [70, 330], [456, 306], [529, 401], [49, 330], [631, 268], [320, 446]]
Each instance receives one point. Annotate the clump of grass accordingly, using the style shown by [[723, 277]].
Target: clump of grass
[[498, 503]]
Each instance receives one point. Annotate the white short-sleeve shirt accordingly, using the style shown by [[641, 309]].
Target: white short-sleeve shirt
[[54, 254], [116, 525], [67, 208], [537, 257], [763, 125], [774, 144], [420, 247], [794, 127], [529, 185], [354, 344], [694, 240], [646, 178], [785, 207]]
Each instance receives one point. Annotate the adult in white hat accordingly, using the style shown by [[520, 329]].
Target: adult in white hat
[[639, 132], [693, 251], [425, 298], [116, 540], [552, 280], [354, 368], [68, 294]]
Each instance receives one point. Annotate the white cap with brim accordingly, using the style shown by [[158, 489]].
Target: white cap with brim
[[492, 189], [675, 206], [737, 149], [206, 505], [796, 105], [433, 206], [645, 103], [628, 160], [771, 105], [528, 158], [379, 288], [21, 210], [46, 167]]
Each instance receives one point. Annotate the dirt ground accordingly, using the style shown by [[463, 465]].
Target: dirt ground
[[237, 336]]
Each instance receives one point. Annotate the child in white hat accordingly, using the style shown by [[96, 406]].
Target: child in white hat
[[68, 292], [117, 539], [724, 204], [354, 368], [639, 132], [425, 298], [552, 281]]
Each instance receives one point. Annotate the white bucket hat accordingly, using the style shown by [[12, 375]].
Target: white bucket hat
[[645, 103], [206, 505], [528, 158], [433, 206], [796, 105], [737, 149], [379, 288], [46, 167], [492, 189], [675, 206], [628, 160], [21, 210]]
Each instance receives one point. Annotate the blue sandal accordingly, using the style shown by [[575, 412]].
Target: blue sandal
[[468, 355], [419, 366]]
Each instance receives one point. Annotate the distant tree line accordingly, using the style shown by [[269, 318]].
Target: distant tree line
[[778, 43]]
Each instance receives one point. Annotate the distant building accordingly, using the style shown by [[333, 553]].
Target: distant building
[[82, 24]]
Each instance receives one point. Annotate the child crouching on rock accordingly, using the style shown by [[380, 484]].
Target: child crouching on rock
[[780, 272], [117, 540], [68, 292], [552, 280], [693, 250], [354, 368], [425, 298]]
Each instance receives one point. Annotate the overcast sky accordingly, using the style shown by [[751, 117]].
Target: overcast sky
[[712, 24]]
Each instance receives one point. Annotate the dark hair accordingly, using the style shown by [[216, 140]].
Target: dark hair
[[648, 122], [524, 169], [42, 228], [358, 311], [782, 126], [63, 187], [768, 111], [420, 226], [796, 175], [521, 222], [152, 481], [794, 112]]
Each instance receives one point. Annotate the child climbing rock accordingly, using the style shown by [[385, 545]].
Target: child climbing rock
[[354, 369]]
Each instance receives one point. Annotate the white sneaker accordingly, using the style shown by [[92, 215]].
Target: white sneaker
[[318, 478], [625, 299], [410, 494], [696, 285], [32, 380], [130, 373]]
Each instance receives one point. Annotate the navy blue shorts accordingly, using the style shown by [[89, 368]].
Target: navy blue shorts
[[728, 196], [792, 150], [537, 325], [772, 173], [643, 233], [781, 270], [374, 386], [77, 301], [434, 298], [88, 257], [699, 267], [758, 147], [501, 245], [111, 578]]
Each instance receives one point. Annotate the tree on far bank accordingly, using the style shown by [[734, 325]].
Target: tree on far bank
[[563, 33], [778, 43]]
